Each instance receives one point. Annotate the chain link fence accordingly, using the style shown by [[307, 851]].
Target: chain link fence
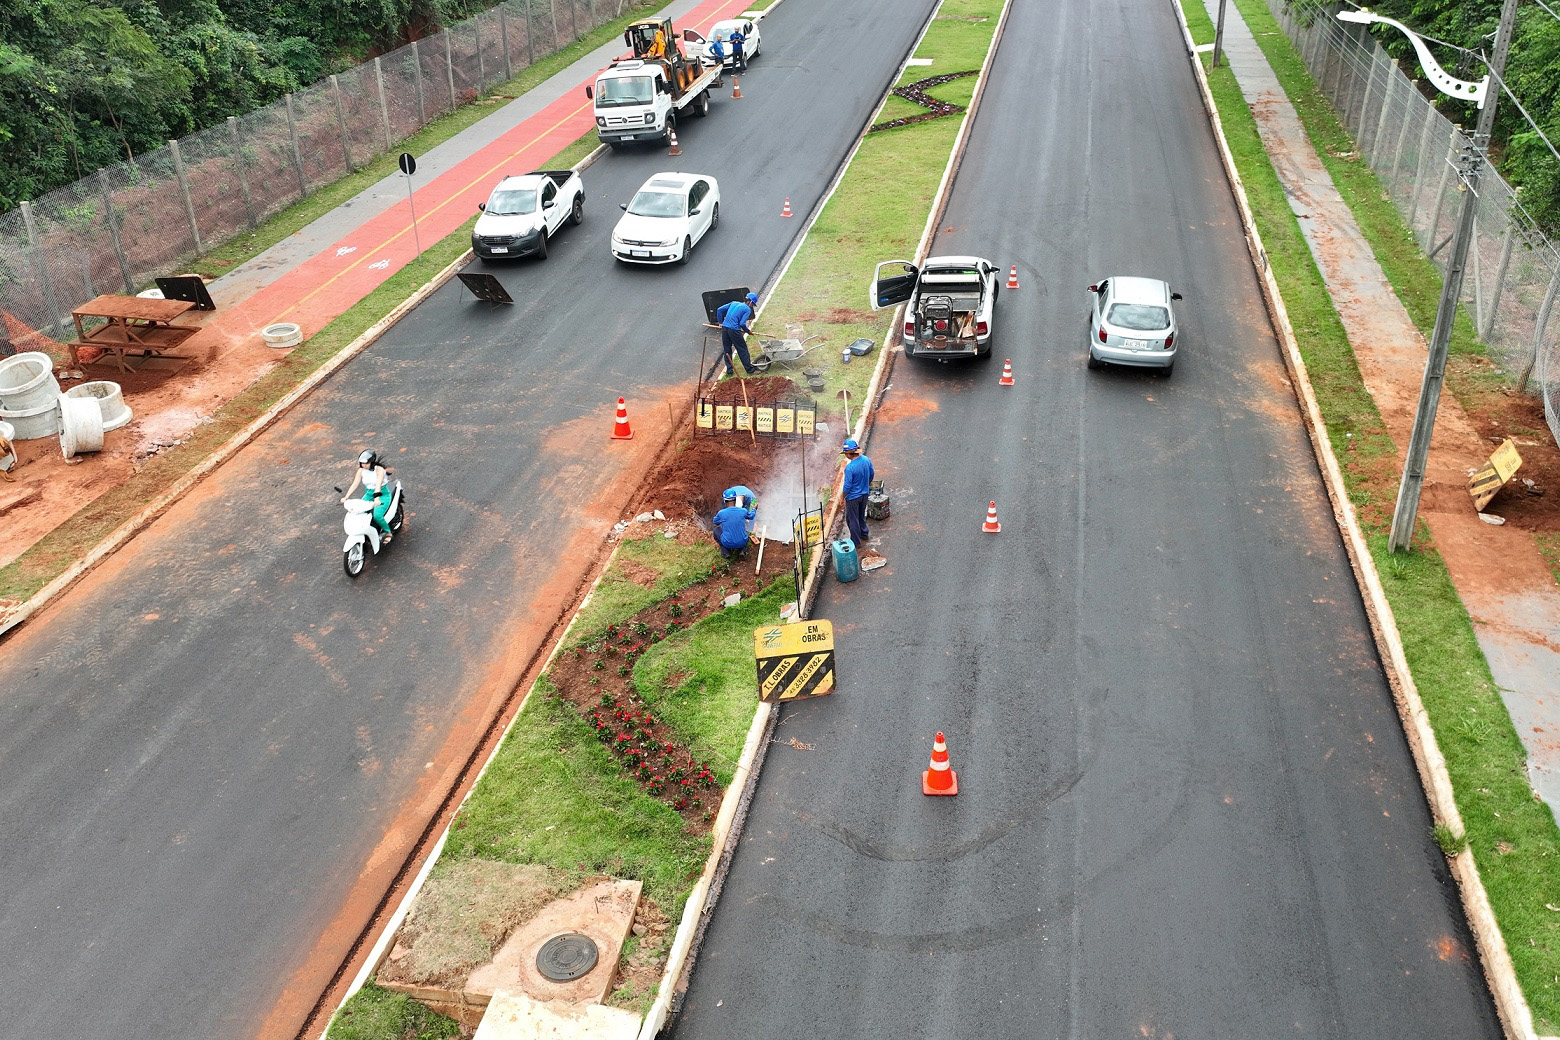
[[115, 231], [1513, 272]]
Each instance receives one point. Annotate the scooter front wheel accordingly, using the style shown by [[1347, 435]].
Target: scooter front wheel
[[352, 560]]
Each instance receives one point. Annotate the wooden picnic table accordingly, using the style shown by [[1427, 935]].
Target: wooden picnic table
[[135, 326]]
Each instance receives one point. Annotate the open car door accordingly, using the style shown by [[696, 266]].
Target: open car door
[[893, 282], [692, 36]]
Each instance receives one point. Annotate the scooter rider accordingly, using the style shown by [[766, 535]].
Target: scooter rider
[[375, 480]]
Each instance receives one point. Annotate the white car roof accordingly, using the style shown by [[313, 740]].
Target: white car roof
[[674, 181], [729, 23], [953, 261], [519, 180], [1131, 289]]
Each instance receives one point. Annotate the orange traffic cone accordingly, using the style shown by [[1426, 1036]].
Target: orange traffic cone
[[1007, 373], [736, 87], [621, 431], [785, 211], [940, 778], [1013, 277], [990, 526], [674, 150]]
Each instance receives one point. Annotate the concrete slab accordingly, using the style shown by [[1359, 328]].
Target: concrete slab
[[515, 1016]]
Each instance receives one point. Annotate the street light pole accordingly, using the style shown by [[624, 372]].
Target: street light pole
[[1470, 168]]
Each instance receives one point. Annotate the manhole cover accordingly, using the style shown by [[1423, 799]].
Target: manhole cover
[[566, 957]]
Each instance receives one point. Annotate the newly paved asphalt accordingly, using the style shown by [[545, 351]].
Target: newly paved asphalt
[[1186, 807], [216, 747]]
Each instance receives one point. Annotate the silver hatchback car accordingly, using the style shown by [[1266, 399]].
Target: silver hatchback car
[[1133, 323]]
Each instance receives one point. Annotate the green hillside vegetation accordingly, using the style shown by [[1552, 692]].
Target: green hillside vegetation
[[87, 83], [1520, 153]]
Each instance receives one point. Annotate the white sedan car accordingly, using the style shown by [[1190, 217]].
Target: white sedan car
[[666, 218], [722, 31]]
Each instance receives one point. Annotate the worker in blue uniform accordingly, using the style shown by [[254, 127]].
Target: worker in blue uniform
[[731, 526]]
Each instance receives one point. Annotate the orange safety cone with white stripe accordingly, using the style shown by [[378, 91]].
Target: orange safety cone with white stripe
[[736, 87], [1013, 277], [785, 211], [621, 431], [1007, 373], [674, 150], [991, 526], [940, 778]]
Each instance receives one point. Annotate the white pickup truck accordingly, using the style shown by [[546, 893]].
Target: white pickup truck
[[524, 211], [948, 301], [640, 98]]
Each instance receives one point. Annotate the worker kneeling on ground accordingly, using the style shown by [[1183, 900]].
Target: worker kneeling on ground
[[731, 526]]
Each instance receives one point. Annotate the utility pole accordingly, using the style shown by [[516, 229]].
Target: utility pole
[[1218, 36], [1470, 167]]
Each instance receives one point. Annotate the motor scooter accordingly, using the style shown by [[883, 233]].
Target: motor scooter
[[363, 537]]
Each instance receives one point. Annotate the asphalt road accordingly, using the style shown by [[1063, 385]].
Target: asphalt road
[[1186, 806], [216, 751]]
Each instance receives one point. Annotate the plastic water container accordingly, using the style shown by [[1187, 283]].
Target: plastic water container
[[846, 565]]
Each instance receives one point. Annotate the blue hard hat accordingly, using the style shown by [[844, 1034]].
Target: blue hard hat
[[850, 445], [752, 297], [729, 496]]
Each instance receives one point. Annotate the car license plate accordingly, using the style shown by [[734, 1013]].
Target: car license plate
[[1139, 344], [639, 252], [628, 137], [500, 249]]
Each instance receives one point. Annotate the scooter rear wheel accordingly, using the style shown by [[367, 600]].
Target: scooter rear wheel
[[352, 560]]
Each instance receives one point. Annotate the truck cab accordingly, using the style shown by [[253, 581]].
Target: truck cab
[[638, 96]]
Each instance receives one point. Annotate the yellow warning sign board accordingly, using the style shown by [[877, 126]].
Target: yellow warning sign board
[[744, 417], [705, 417], [1494, 474], [766, 418], [795, 660], [785, 420], [814, 528], [804, 421], [723, 417]]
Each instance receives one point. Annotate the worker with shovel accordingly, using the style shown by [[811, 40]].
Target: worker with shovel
[[735, 324], [858, 485]]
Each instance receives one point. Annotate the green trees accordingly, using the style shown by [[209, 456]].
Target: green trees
[[86, 83], [1519, 152]]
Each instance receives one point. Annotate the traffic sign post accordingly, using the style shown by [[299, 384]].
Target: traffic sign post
[[408, 164]]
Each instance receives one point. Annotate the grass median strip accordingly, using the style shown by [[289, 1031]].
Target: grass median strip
[[1512, 835], [873, 216]]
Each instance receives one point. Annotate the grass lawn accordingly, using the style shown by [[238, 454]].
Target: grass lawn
[[1513, 836], [700, 681]]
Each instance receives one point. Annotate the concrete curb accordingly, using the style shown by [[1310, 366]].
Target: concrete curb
[[171, 494], [1510, 1004]]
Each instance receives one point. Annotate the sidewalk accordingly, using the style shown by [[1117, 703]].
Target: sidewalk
[[1503, 581]]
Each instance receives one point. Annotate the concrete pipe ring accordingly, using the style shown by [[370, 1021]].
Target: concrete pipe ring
[[81, 426], [110, 402], [27, 381], [33, 424], [282, 334]]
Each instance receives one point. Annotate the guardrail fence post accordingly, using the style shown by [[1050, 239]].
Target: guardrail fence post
[[384, 103], [297, 152], [1538, 326], [1419, 166], [503, 39], [49, 299], [530, 36], [552, 7], [113, 232], [1506, 242], [184, 189], [449, 67], [241, 167], [422, 103], [341, 122]]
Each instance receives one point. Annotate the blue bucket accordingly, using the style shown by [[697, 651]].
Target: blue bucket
[[847, 567]]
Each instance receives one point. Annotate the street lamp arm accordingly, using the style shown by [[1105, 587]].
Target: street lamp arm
[[1450, 85]]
